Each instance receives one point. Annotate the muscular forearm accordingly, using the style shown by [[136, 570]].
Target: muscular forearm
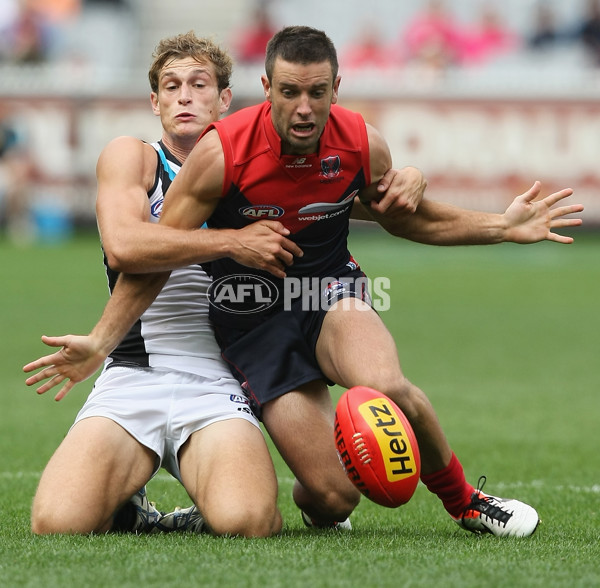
[[131, 296], [158, 248], [438, 223]]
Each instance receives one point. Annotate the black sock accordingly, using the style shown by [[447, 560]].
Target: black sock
[[124, 518]]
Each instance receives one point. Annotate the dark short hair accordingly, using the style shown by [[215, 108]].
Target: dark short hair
[[189, 45], [300, 44]]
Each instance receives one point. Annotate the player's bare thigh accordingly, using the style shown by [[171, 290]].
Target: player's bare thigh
[[355, 347], [227, 469], [96, 468]]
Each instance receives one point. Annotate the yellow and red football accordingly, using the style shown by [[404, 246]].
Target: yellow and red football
[[377, 446]]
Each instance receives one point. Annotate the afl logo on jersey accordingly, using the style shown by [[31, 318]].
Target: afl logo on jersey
[[259, 211]]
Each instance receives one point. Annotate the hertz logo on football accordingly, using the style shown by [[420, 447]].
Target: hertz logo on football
[[392, 438], [377, 446]]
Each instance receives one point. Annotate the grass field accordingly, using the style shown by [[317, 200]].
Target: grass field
[[505, 341]]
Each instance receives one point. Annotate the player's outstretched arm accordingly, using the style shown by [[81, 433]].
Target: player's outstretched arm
[[528, 219]]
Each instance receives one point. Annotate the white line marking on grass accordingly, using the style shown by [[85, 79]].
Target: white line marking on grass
[[594, 489]]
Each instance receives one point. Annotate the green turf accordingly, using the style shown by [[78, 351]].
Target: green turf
[[505, 341]]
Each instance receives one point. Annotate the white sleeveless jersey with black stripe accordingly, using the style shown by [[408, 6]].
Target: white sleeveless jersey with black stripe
[[175, 331]]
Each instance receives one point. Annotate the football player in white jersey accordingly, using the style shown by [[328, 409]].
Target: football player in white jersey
[[166, 398]]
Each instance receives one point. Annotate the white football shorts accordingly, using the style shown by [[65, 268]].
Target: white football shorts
[[161, 408]]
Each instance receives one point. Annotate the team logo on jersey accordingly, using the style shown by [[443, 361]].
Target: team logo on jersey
[[242, 294], [156, 208], [334, 288], [258, 211], [330, 166]]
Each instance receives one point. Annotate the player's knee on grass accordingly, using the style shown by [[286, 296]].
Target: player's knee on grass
[[250, 519], [327, 503], [51, 519]]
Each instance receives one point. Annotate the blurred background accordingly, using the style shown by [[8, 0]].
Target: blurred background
[[485, 96]]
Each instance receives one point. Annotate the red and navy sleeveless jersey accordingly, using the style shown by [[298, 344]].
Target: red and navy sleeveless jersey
[[311, 195]]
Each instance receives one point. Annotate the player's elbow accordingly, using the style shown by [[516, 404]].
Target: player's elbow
[[120, 259], [115, 262]]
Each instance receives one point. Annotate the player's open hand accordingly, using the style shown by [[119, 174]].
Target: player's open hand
[[77, 360], [400, 191], [529, 220], [265, 245]]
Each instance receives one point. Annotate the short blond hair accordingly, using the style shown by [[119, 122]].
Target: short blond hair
[[189, 45]]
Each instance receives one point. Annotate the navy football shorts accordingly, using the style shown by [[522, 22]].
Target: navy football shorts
[[278, 355]]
